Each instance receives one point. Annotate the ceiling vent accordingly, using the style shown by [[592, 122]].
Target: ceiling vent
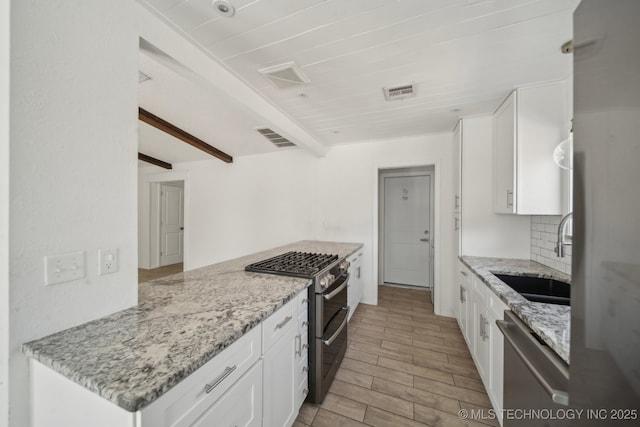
[[399, 92], [275, 138], [142, 77], [285, 76]]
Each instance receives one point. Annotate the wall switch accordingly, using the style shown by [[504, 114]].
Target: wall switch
[[108, 259], [64, 268]]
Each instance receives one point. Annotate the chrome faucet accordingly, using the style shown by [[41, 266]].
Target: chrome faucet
[[563, 238]]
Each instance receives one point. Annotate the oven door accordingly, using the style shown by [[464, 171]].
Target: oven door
[[330, 303], [333, 345]]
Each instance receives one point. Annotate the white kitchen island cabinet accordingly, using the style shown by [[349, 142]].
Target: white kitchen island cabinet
[[253, 382], [282, 367], [528, 125]]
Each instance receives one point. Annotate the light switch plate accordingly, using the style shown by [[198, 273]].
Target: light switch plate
[[108, 261], [64, 267]]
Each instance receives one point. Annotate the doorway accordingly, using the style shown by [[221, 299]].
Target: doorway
[[161, 216], [406, 223]]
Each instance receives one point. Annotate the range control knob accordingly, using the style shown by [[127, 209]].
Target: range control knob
[[344, 266], [324, 281]]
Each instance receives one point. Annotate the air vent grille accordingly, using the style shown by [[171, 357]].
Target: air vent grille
[[275, 138], [399, 92], [285, 75]]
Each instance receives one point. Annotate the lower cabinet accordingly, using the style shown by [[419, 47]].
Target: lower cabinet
[[280, 381], [478, 310], [356, 284], [259, 380], [285, 380], [240, 406]]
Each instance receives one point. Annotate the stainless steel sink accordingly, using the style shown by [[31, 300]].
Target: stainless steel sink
[[539, 289]]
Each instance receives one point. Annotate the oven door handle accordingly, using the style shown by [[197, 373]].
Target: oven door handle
[[336, 291], [344, 323]]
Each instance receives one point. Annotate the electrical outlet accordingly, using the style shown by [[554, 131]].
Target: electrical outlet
[[64, 267], [108, 261]]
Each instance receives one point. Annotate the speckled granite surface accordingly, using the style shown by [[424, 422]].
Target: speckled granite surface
[[182, 321], [550, 321]]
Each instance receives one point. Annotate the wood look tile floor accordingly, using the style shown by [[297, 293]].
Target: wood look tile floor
[[404, 366], [155, 273]]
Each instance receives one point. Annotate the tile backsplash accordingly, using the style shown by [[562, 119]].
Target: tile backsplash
[[544, 234]]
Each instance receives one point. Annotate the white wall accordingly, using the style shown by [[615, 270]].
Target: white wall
[[73, 166], [4, 211], [255, 203], [485, 233], [348, 182]]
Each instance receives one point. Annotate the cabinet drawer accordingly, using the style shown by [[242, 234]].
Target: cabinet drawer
[[241, 405], [187, 401], [278, 324]]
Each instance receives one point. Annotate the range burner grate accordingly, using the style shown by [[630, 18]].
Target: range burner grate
[[297, 264]]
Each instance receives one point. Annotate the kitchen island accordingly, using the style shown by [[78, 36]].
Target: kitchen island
[[133, 357], [549, 321]]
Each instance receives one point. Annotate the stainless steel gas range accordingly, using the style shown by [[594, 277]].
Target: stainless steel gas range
[[328, 311]]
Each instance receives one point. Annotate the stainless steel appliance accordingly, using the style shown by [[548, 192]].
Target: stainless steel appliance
[[328, 311], [604, 366], [605, 286], [534, 376]]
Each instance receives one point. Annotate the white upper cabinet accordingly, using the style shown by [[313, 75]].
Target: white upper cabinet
[[528, 125], [457, 167]]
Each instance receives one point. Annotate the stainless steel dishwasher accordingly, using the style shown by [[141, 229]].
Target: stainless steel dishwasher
[[535, 378]]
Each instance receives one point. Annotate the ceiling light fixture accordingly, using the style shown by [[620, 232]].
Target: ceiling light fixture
[[224, 8]]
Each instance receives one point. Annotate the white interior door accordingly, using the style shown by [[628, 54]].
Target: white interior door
[[407, 232], [171, 224]]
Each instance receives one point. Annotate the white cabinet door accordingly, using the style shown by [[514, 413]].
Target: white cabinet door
[[302, 351], [465, 309], [355, 290], [457, 166], [481, 339], [240, 406], [280, 376], [528, 125], [504, 156]]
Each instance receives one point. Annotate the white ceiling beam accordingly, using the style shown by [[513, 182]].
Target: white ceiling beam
[[173, 42]]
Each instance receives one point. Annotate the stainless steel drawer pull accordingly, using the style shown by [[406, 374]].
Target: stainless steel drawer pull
[[509, 193], [208, 388], [557, 396], [284, 322]]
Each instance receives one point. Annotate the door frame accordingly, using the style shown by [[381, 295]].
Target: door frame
[[157, 216], [154, 181], [436, 183], [400, 173]]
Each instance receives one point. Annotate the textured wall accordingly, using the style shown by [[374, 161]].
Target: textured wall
[[73, 166]]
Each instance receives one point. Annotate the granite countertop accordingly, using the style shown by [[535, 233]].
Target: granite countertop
[[182, 321], [550, 321]]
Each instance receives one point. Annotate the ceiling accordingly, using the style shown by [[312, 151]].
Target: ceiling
[[464, 56]]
